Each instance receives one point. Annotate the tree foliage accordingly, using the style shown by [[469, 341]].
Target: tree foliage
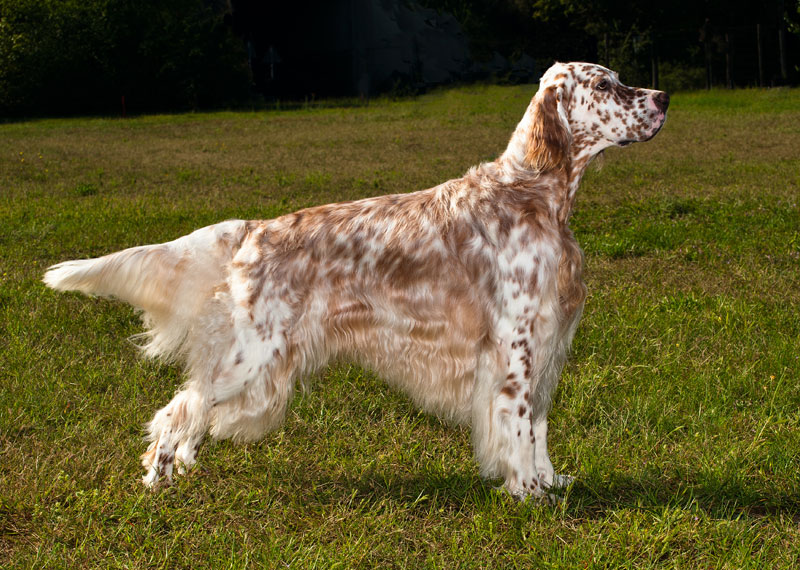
[[84, 56], [628, 35], [78, 56]]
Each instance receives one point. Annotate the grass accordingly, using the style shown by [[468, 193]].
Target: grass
[[679, 410]]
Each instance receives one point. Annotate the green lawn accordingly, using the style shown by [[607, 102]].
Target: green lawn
[[678, 413]]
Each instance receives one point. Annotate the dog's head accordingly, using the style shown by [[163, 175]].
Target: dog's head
[[582, 109]]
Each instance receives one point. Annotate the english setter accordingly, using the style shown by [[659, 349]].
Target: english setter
[[465, 296]]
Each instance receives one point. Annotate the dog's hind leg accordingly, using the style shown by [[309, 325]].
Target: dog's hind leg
[[253, 393], [221, 367], [175, 432], [241, 359], [244, 398], [261, 404]]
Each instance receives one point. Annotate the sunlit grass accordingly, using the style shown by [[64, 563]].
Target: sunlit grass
[[678, 412]]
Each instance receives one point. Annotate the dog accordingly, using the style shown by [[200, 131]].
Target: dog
[[465, 296]]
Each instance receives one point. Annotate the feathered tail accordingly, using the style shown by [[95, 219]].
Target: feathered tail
[[169, 282]]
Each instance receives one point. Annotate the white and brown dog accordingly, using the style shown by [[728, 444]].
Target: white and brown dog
[[465, 296]]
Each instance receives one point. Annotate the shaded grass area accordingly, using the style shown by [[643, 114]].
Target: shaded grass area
[[678, 411]]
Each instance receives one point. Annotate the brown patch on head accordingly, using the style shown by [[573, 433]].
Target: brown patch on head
[[625, 96]]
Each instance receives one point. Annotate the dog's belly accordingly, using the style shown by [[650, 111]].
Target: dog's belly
[[427, 346], [437, 375]]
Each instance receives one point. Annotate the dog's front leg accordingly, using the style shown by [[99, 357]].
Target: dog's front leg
[[515, 415], [548, 479], [501, 421]]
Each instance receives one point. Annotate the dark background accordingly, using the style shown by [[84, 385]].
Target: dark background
[[133, 56]]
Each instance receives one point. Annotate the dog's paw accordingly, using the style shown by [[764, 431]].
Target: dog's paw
[[533, 495], [157, 477], [185, 458], [561, 481]]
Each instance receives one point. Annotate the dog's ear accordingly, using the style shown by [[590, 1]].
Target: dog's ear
[[549, 145]]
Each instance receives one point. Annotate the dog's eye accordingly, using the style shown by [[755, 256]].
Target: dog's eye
[[602, 85]]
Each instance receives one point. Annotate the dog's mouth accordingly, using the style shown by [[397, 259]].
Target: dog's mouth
[[662, 118]]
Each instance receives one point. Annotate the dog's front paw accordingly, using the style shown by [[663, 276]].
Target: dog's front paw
[[561, 481], [531, 494]]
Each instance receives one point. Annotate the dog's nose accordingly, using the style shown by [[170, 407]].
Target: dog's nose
[[661, 100]]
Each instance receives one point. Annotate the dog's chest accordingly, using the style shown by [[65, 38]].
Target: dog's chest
[[540, 270]]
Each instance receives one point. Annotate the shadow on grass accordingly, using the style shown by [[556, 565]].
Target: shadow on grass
[[592, 498], [377, 488], [595, 497]]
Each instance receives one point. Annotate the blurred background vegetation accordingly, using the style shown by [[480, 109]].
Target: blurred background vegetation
[[121, 56]]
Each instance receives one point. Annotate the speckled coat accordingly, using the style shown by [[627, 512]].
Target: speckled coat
[[465, 296]]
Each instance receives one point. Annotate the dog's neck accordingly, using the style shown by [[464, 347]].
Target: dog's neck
[[576, 170], [513, 168]]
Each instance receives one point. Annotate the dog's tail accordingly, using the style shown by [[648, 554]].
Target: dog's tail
[[169, 282]]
